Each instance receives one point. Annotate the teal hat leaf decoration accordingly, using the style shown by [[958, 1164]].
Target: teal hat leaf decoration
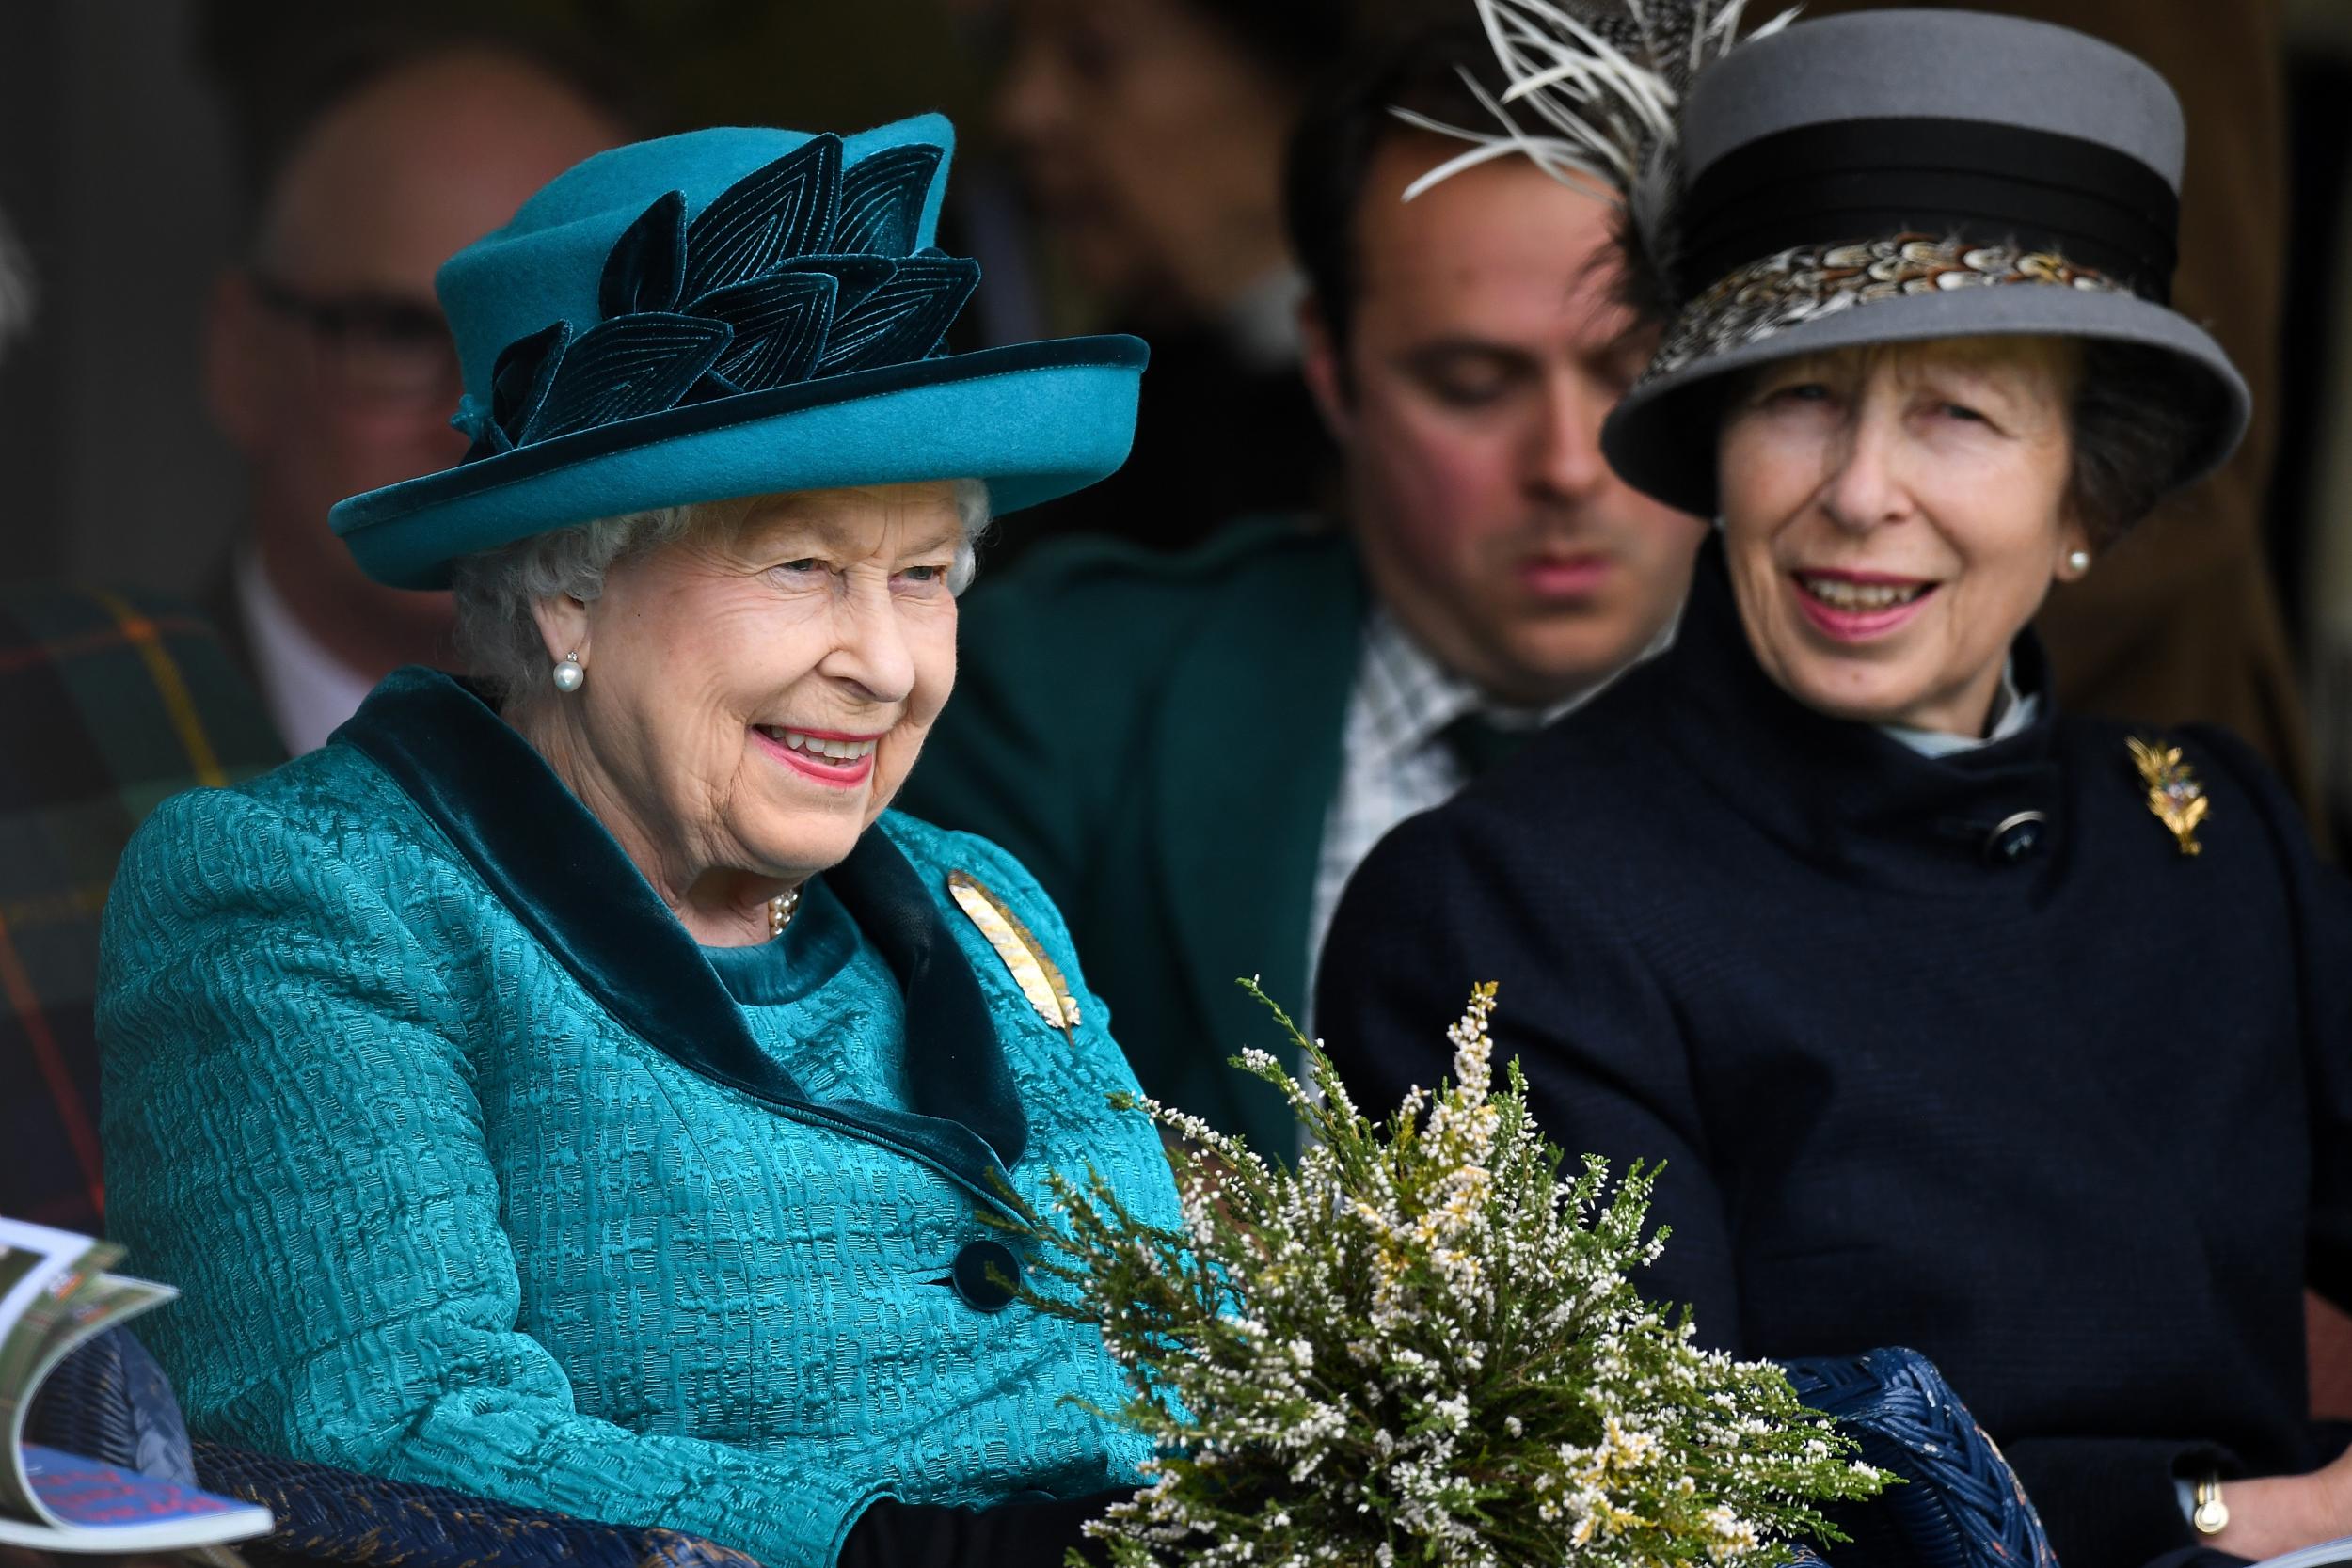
[[800, 269], [518, 388], [783, 210], [904, 318], [646, 269], [779, 323], [881, 201], [634, 365], [858, 275]]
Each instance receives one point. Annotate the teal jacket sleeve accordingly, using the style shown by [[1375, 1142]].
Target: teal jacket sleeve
[[294, 1140]]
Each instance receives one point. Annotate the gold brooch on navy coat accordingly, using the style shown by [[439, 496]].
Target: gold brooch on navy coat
[[1039, 980], [2174, 794]]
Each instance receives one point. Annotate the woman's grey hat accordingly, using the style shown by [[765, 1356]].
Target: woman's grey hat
[[1900, 175]]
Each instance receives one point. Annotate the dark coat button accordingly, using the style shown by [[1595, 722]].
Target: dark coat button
[[986, 1274], [2016, 837]]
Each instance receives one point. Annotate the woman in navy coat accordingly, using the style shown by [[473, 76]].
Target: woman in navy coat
[[2020, 1039]]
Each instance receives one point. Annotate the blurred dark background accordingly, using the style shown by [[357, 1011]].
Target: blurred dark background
[[131, 131]]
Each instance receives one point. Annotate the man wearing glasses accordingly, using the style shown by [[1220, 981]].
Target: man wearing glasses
[[329, 364]]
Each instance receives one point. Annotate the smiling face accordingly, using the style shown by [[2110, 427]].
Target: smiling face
[[1484, 351], [758, 690], [1894, 515]]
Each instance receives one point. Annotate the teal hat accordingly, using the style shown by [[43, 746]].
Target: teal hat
[[733, 312]]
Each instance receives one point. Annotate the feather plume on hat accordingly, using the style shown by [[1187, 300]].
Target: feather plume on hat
[[1606, 79]]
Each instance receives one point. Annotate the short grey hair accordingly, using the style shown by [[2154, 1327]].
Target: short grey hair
[[495, 591]]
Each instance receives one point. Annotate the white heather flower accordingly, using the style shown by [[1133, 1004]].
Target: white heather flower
[[1357, 1317]]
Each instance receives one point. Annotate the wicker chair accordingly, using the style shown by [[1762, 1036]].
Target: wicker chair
[[110, 1402], [1962, 1508]]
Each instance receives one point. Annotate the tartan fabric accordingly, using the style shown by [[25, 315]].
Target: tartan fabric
[[108, 702]]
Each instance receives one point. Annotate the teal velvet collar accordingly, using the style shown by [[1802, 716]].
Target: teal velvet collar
[[820, 942], [557, 869]]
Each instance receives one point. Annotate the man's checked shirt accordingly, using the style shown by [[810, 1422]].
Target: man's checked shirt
[[1393, 758]]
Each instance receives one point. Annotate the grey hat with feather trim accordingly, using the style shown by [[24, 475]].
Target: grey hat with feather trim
[[1882, 177]]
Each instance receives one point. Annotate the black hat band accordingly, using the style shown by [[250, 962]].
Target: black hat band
[[1978, 182]]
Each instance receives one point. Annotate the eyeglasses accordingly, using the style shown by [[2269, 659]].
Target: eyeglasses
[[376, 346]]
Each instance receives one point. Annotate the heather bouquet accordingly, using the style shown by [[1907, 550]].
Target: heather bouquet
[[1419, 1344]]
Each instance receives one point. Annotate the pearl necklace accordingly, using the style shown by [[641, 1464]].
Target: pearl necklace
[[780, 912]]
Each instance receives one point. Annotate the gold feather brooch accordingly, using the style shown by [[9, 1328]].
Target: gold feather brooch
[[1024, 954], [2174, 794]]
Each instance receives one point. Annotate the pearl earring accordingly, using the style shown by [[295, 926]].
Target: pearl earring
[[2078, 560], [569, 675]]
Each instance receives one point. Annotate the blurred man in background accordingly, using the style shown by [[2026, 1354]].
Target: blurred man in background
[[1192, 751], [329, 364], [1149, 135]]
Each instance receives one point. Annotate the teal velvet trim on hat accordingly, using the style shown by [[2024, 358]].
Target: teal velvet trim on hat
[[1031, 420], [694, 418], [551, 863]]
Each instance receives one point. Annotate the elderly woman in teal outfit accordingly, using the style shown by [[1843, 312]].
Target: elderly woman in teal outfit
[[573, 1084]]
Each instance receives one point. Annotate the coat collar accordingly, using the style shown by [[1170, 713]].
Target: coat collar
[[566, 878], [1842, 792]]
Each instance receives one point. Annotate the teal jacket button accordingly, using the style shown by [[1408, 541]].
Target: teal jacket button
[[986, 1274]]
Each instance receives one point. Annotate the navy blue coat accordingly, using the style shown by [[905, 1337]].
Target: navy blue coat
[[2077, 1123]]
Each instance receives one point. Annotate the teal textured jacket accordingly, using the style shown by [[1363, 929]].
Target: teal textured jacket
[[475, 1170]]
